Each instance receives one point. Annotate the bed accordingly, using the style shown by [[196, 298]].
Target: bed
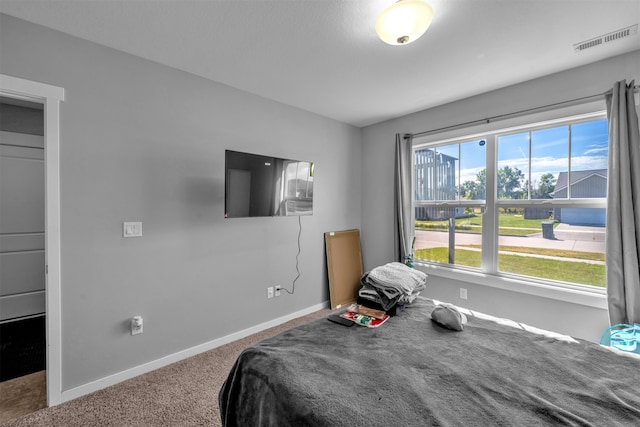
[[411, 371]]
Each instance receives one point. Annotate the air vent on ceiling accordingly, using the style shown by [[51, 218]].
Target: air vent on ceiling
[[606, 38]]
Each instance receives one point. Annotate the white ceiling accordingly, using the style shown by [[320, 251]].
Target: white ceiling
[[324, 56]]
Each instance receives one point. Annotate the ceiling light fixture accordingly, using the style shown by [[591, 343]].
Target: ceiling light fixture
[[404, 21]]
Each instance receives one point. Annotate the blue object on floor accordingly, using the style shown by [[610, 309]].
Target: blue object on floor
[[622, 336]]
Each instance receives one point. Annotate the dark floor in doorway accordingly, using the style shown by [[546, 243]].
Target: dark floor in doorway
[[22, 347]]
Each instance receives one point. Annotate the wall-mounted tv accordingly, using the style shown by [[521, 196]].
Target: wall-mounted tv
[[257, 185]]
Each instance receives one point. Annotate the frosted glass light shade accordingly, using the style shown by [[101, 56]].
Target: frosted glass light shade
[[404, 21]]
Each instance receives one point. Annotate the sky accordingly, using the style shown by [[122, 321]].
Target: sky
[[549, 151]]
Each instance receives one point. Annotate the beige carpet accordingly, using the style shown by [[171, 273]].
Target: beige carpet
[[182, 394], [23, 395]]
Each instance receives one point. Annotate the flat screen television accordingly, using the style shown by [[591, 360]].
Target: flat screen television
[[257, 185]]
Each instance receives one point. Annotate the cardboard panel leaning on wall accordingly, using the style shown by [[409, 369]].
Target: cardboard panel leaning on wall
[[344, 265], [144, 142]]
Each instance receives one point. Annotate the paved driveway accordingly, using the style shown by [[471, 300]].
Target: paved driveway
[[567, 237]]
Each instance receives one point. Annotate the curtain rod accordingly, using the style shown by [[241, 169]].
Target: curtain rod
[[514, 114]]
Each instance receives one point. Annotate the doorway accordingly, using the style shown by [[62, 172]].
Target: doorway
[[47, 99], [22, 257]]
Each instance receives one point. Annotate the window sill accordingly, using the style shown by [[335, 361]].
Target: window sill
[[577, 295]]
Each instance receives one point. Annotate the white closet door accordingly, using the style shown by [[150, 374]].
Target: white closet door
[[22, 256]]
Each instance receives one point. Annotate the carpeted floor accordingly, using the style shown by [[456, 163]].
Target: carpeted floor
[[182, 394]]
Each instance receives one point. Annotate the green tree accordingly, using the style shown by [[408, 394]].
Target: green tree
[[510, 183], [475, 190], [481, 177], [546, 186], [472, 190]]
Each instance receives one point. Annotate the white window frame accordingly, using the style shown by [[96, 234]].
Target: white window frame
[[488, 274]]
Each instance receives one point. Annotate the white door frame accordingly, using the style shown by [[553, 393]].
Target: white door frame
[[50, 97]]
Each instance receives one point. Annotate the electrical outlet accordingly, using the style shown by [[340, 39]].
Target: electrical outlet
[[278, 290], [136, 325], [270, 292], [463, 293]]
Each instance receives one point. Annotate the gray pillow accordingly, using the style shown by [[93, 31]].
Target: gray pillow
[[449, 317]]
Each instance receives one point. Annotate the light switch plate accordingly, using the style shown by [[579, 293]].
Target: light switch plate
[[132, 229]]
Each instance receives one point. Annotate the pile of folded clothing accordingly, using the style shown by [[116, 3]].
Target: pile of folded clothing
[[391, 286]]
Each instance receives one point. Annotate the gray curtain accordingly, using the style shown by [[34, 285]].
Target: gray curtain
[[623, 206], [404, 214]]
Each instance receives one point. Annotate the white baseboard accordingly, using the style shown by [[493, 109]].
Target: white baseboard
[[113, 379]]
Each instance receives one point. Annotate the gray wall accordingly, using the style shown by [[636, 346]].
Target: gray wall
[[144, 142], [377, 191]]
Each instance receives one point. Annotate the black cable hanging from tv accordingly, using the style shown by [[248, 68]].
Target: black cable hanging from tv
[[293, 286]]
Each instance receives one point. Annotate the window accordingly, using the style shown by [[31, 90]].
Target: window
[[296, 194], [527, 201], [447, 211]]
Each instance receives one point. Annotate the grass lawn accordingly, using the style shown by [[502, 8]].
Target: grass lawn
[[514, 225], [555, 269], [591, 256]]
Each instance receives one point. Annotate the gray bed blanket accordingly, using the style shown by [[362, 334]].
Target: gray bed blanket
[[412, 372]]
